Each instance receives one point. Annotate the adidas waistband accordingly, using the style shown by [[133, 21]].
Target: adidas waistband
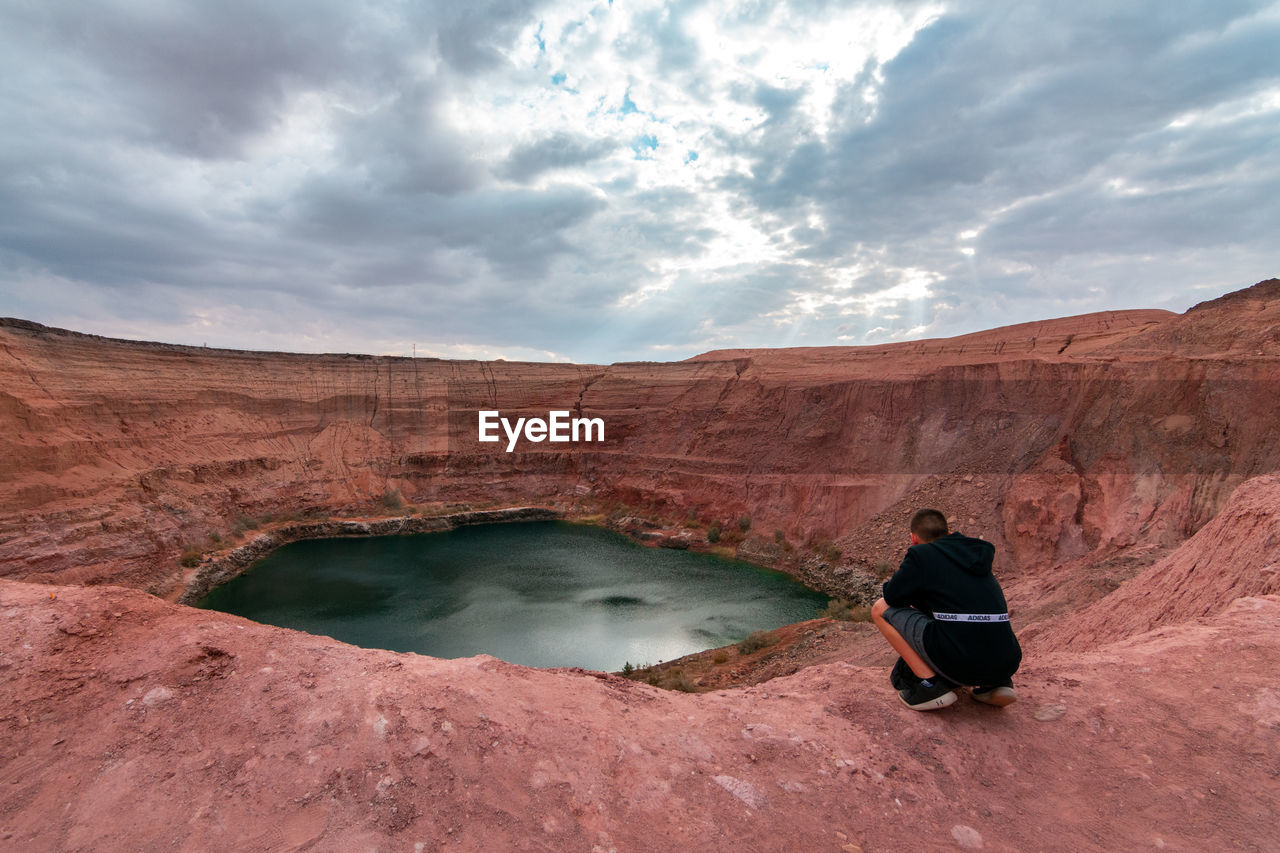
[[971, 617]]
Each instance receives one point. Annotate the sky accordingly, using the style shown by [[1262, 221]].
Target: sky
[[601, 182]]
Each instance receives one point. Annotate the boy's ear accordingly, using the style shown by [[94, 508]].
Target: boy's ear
[[915, 540]]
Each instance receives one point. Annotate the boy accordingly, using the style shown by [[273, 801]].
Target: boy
[[945, 614]]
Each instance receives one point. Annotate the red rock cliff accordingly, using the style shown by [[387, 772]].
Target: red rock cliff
[[1055, 439]]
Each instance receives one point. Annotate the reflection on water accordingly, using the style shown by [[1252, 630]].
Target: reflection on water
[[539, 594]]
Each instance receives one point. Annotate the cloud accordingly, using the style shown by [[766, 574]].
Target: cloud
[[616, 181], [561, 150]]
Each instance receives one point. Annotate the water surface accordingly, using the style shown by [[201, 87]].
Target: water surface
[[537, 593]]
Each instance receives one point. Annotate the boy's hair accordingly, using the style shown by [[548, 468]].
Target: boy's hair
[[928, 525]]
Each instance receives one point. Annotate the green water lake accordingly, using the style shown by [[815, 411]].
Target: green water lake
[[537, 593]]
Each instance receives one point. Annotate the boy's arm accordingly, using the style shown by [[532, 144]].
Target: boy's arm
[[903, 588]]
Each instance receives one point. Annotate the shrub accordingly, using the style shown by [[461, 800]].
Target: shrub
[[190, 558], [713, 535], [677, 680], [720, 657], [755, 641], [391, 499], [744, 523], [884, 569], [243, 523], [779, 537], [838, 608], [627, 668]]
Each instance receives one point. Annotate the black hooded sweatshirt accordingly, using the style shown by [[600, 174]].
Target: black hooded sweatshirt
[[953, 575]]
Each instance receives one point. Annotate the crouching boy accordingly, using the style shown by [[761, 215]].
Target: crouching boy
[[944, 612]]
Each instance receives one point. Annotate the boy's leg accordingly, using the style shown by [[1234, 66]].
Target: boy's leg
[[904, 629], [900, 645]]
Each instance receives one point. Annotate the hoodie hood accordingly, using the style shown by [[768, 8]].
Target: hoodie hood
[[972, 555]]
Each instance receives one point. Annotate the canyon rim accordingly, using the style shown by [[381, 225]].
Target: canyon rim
[[1124, 464]]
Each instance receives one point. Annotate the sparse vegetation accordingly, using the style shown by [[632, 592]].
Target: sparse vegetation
[[830, 552], [672, 679], [883, 569], [244, 523], [839, 609], [675, 679], [755, 641]]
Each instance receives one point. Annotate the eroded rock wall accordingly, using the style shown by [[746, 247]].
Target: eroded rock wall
[[1088, 433]]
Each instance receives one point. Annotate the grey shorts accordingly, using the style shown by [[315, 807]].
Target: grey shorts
[[910, 623]]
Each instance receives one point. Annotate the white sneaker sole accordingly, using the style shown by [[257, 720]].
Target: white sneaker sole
[[999, 697], [948, 698]]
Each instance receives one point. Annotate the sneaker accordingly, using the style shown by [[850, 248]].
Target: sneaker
[[999, 695], [901, 676], [920, 698]]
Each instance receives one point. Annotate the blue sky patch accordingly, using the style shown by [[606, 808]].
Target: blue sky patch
[[643, 144]]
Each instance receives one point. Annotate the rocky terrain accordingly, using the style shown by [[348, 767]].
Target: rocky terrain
[[1121, 462]]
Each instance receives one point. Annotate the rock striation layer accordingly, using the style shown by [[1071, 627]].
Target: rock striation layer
[[1079, 436]]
